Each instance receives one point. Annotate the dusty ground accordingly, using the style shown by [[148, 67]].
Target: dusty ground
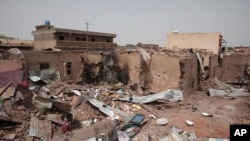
[[225, 111], [213, 127]]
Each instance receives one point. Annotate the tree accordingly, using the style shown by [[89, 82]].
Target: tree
[[230, 48], [5, 37], [139, 44]]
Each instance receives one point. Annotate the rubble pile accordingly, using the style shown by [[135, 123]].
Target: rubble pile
[[41, 106], [209, 83]]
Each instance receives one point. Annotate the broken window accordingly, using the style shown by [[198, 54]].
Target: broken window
[[44, 66], [61, 37], [67, 69], [84, 39], [77, 38], [108, 41], [93, 40]]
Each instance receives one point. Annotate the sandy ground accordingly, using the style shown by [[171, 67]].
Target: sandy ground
[[225, 111]]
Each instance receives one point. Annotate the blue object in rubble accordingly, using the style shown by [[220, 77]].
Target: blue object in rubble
[[137, 119]]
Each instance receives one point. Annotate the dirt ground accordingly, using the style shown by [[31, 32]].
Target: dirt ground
[[225, 111]]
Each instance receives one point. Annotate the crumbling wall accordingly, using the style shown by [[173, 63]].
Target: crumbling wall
[[11, 71], [55, 60], [131, 62], [189, 79], [213, 63], [162, 72], [233, 66], [97, 67], [111, 68]]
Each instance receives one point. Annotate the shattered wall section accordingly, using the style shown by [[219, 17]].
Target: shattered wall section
[[131, 62], [189, 74], [56, 60], [213, 63], [11, 71], [97, 67], [111, 68], [233, 66], [163, 72]]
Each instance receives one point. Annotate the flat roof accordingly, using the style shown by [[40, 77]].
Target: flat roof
[[64, 30]]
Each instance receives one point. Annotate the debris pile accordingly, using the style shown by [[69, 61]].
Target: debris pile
[[41, 106], [226, 90], [49, 109]]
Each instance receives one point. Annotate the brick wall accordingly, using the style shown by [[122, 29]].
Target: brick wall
[[233, 66]]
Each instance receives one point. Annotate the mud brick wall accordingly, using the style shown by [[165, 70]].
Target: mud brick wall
[[125, 66], [233, 66], [213, 63], [162, 72], [33, 60], [129, 61], [189, 79]]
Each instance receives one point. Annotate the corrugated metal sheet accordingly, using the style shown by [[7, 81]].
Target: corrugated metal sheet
[[55, 118], [40, 128]]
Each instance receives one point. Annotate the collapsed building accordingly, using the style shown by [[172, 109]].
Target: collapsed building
[[205, 43], [85, 78], [158, 72]]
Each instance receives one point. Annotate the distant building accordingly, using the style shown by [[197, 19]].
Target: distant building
[[6, 44], [212, 42], [242, 49], [49, 37], [131, 47]]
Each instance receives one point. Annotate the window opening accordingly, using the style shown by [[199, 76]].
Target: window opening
[[67, 69], [44, 66], [61, 37]]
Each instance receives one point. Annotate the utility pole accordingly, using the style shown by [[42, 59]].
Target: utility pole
[[87, 24]]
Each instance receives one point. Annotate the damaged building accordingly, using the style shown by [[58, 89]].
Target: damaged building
[[127, 67], [47, 37], [205, 43], [78, 85]]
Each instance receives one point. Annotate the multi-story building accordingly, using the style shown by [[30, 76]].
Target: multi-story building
[[212, 42], [205, 43], [7, 44], [49, 37]]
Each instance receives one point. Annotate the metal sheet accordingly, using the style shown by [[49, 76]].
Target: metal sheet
[[34, 78], [226, 90], [168, 95], [107, 110], [55, 118], [41, 102], [40, 128]]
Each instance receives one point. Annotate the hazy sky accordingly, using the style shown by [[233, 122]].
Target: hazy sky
[[134, 21]]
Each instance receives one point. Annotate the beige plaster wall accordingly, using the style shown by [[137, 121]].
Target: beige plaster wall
[[209, 41]]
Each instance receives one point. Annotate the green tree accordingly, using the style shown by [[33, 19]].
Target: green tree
[[139, 44], [5, 37]]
